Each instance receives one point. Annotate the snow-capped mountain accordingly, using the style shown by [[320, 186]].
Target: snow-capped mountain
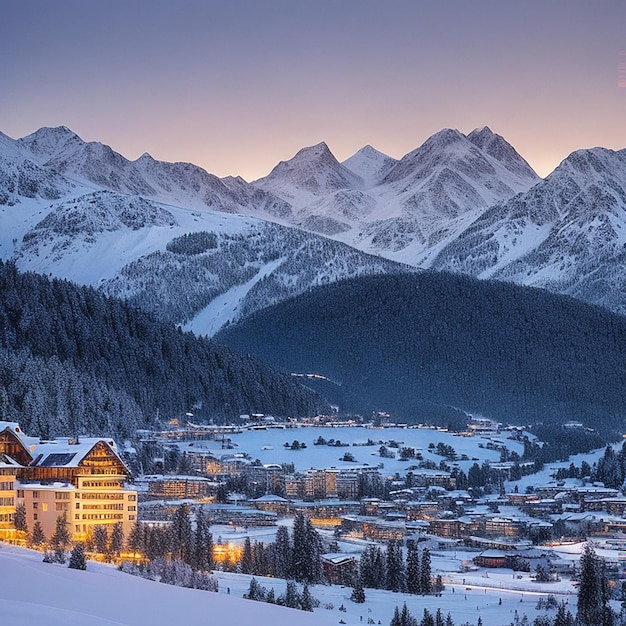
[[567, 234], [180, 184], [23, 178], [202, 268], [465, 203], [404, 210]]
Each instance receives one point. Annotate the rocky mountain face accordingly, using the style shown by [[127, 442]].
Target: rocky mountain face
[[567, 234]]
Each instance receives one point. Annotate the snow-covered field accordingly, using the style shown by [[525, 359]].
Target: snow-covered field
[[33, 593], [269, 446]]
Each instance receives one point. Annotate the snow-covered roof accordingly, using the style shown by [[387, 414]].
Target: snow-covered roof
[[270, 498]]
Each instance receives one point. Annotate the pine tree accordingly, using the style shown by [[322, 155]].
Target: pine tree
[[358, 593], [590, 608], [101, 539], [202, 557], [260, 559], [180, 535], [425, 572], [38, 537], [306, 563], [117, 540], [136, 541], [77, 557], [428, 619], [395, 567], [395, 620], [255, 591], [61, 538], [439, 618], [306, 600], [563, 617], [246, 557], [281, 553], [412, 568], [291, 597], [19, 518]]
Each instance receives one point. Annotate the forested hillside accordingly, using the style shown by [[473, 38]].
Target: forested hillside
[[417, 345], [74, 361]]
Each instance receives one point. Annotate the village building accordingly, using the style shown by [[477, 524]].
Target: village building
[[339, 568], [178, 487]]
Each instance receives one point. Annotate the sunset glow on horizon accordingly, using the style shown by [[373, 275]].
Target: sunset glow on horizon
[[238, 86]]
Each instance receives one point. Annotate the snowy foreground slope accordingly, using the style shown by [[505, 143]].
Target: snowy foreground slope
[[33, 592]]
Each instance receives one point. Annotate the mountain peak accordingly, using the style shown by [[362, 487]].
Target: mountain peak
[[498, 148], [370, 164], [49, 141], [319, 150], [313, 170], [145, 157], [446, 137]]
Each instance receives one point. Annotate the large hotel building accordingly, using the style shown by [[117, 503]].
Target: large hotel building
[[81, 478]]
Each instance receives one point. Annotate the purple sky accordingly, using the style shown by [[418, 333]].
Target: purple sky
[[237, 85]]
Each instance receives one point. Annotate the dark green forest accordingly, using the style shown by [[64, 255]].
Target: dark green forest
[[424, 346], [75, 361]]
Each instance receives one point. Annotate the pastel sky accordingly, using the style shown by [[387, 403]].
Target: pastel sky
[[237, 85]]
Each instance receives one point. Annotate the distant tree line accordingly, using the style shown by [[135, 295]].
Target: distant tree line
[[418, 345], [74, 361]]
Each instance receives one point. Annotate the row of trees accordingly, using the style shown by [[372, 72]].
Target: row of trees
[[292, 598], [389, 570], [296, 556]]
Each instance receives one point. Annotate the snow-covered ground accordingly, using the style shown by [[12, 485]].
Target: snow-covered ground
[[33, 593], [269, 446]]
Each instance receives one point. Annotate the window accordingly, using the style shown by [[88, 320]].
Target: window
[[44, 506], [132, 508], [131, 517], [77, 516], [78, 505], [35, 516], [35, 505], [20, 493], [35, 494]]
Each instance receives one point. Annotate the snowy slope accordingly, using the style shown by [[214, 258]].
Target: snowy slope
[[35, 593], [214, 276], [567, 234]]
